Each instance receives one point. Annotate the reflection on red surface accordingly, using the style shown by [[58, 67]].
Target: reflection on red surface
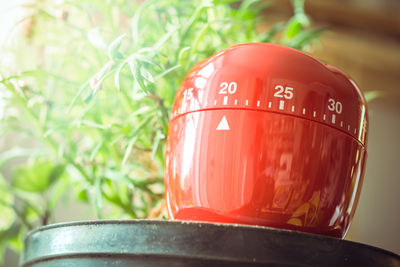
[[265, 171], [250, 157]]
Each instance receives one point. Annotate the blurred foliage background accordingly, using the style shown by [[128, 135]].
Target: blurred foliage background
[[87, 88]]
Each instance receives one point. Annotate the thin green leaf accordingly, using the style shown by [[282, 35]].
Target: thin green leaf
[[98, 200], [118, 177], [147, 59], [269, 36], [142, 110], [164, 39], [95, 151], [136, 75], [372, 95], [147, 75], [136, 21], [134, 136], [195, 17], [298, 6], [113, 48], [103, 74], [183, 55], [197, 41], [245, 7], [305, 37], [89, 124], [128, 150], [78, 94], [98, 77], [293, 28], [117, 74], [156, 143], [167, 71]]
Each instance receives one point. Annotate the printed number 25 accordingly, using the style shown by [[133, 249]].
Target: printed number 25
[[283, 92]]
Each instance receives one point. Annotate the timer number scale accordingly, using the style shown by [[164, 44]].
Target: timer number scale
[[229, 89]]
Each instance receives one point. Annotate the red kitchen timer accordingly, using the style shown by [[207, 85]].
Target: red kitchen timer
[[262, 134]]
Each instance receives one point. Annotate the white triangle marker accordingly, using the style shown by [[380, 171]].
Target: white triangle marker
[[223, 124]]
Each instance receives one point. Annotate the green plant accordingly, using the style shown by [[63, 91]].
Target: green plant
[[91, 90]]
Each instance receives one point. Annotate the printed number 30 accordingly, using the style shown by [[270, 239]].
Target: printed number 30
[[284, 92], [335, 106]]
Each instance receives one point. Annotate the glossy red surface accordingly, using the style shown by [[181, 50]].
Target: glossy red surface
[[263, 134]]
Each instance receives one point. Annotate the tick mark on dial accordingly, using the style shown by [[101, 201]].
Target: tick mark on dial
[[225, 100], [281, 105]]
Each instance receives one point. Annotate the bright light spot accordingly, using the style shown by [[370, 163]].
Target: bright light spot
[[10, 13], [200, 82], [207, 70]]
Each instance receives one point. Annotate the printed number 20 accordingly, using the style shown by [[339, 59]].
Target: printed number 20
[[226, 88]]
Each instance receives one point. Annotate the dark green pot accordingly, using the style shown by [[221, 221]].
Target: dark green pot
[[167, 243]]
